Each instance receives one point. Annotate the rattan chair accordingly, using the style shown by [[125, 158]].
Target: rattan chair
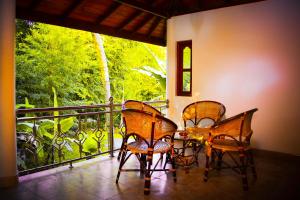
[[199, 116], [133, 104], [202, 114], [232, 136], [155, 134], [138, 105]]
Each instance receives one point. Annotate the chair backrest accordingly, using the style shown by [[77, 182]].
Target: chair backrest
[[133, 104], [238, 126], [147, 126], [199, 111]]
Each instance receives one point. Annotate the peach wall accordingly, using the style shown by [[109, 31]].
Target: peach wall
[[245, 56]]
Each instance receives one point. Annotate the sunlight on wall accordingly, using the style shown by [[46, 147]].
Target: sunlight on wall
[[253, 78]]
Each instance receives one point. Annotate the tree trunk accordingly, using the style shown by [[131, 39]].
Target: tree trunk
[[103, 58], [99, 42]]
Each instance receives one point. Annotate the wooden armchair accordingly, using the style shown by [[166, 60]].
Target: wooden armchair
[[232, 136], [202, 114], [198, 117], [155, 134], [138, 105]]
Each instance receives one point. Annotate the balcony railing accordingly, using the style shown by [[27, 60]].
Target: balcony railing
[[55, 136]]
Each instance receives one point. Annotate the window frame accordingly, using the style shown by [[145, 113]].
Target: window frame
[[180, 70]]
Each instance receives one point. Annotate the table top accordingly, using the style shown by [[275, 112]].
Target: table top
[[193, 133]]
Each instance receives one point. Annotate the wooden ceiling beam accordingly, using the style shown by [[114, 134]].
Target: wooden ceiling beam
[[165, 30], [226, 3], [112, 8], [129, 19], [34, 4], [143, 7], [153, 26], [71, 8], [24, 13], [142, 22]]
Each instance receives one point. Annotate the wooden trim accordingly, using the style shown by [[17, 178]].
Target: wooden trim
[[179, 81], [142, 22], [34, 4], [84, 25], [112, 8], [129, 19], [71, 8], [143, 7], [165, 30], [201, 7], [153, 26]]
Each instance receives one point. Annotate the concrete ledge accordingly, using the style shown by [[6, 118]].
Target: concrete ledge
[[9, 181]]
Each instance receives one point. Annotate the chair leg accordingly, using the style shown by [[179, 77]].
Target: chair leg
[[168, 159], [161, 157], [213, 158], [173, 168], [147, 179], [243, 170], [143, 163], [220, 157], [205, 177], [122, 162], [121, 150], [251, 159], [195, 153]]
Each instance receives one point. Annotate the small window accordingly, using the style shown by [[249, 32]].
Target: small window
[[184, 68]]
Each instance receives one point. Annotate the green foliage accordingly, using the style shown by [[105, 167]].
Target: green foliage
[[25, 105], [45, 128], [125, 59], [63, 58], [61, 66], [50, 56], [23, 28]]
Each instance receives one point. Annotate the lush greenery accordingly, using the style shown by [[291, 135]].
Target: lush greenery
[[57, 66], [50, 56]]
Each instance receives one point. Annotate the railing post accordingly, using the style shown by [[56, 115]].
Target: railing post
[[111, 126]]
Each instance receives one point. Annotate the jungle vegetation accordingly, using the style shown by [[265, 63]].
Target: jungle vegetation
[[57, 66], [70, 61]]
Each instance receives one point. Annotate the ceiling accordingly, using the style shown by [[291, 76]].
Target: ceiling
[[140, 20]]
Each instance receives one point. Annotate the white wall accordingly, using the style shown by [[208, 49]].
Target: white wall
[[245, 56]]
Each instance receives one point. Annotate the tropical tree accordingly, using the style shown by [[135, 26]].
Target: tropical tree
[[74, 62], [58, 57]]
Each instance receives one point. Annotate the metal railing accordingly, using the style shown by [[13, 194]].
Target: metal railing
[[55, 136]]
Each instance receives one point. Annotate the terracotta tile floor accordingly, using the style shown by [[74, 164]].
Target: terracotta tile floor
[[278, 178]]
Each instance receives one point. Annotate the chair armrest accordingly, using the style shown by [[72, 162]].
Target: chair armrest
[[228, 127], [211, 141]]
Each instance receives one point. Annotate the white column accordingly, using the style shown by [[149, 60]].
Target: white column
[[8, 167]]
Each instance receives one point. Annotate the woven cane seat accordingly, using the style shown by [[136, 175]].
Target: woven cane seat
[[229, 145], [142, 147]]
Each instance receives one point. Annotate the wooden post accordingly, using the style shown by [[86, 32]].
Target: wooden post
[[8, 147], [111, 126]]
